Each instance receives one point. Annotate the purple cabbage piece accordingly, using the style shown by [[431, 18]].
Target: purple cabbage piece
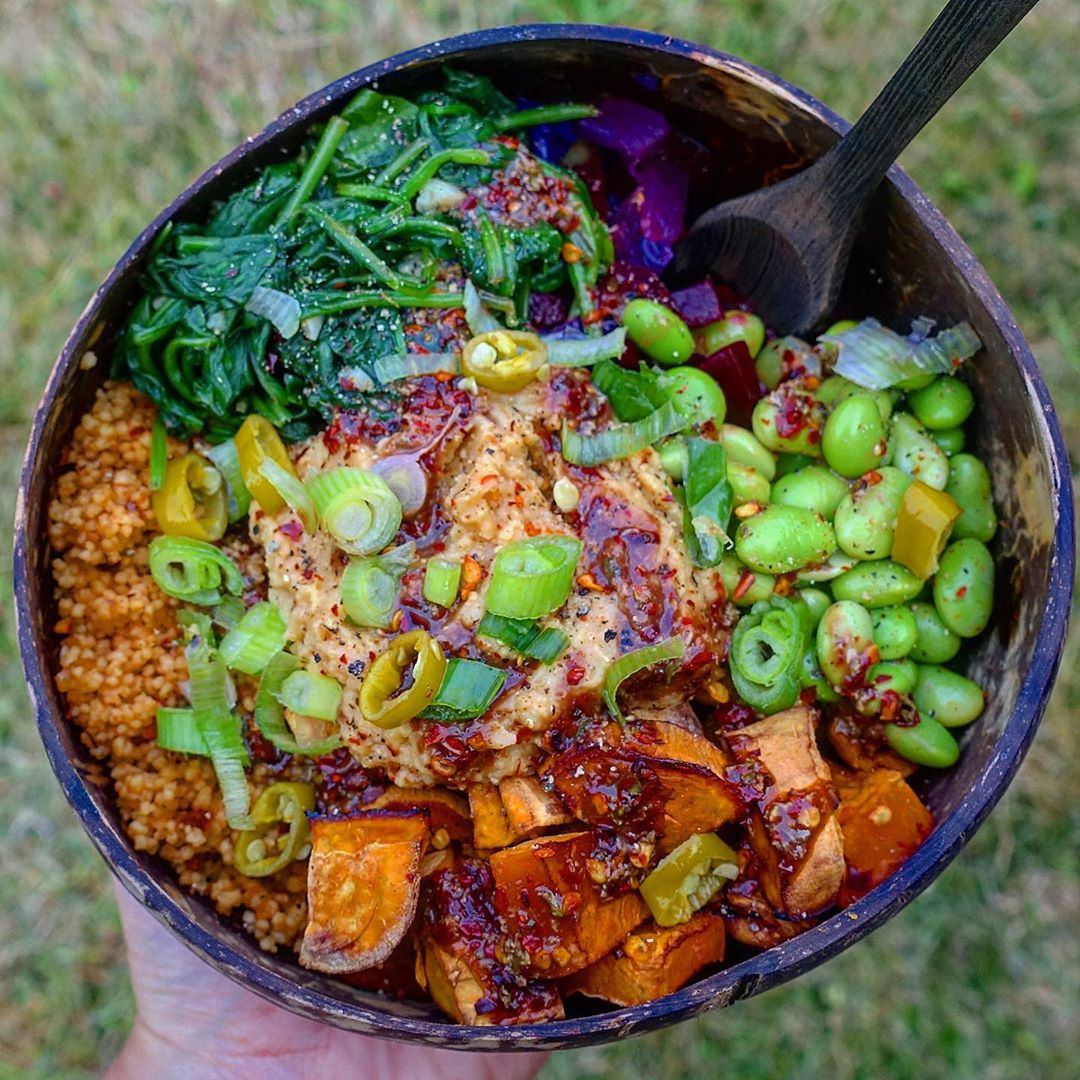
[[626, 126], [698, 304], [631, 244], [664, 188]]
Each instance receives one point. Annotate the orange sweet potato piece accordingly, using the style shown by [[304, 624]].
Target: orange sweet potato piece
[[883, 822], [861, 745], [546, 892], [652, 961], [529, 808], [445, 809], [491, 827], [363, 888]]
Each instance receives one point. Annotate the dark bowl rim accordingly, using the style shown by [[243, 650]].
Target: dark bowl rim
[[769, 968]]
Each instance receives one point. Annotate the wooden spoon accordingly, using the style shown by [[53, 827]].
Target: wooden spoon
[[785, 248]]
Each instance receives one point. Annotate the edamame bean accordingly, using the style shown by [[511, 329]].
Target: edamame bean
[[747, 484], [786, 464], [781, 357], [658, 332], [840, 326], [812, 676], [836, 388], [695, 394], [882, 583], [969, 485], [784, 538], [741, 446], [899, 676], [895, 631], [817, 600], [945, 403], [789, 421], [813, 488], [734, 326], [836, 564], [964, 587], [865, 519], [674, 458], [927, 743], [853, 441], [844, 639], [732, 573], [935, 643], [951, 440], [914, 452], [945, 696]]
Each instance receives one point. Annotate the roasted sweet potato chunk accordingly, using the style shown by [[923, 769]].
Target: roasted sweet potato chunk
[[546, 891], [464, 946], [652, 961], [797, 807], [491, 826], [363, 887], [883, 822], [445, 809], [529, 808]]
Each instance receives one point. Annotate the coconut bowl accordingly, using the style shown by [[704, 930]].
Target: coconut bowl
[[908, 261]]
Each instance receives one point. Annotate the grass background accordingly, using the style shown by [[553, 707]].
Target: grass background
[[108, 107]]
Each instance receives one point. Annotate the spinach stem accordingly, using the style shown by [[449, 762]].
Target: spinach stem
[[313, 172]]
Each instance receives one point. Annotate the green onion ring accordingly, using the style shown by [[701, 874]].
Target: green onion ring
[[357, 508], [623, 440], [631, 663], [193, 570], [255, 639], [532, 577], [270, 716]]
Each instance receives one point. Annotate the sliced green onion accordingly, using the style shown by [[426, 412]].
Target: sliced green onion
[[289, 487], [229, 612], [532, 577], [543, 114], [279, 309], [633, 662], [357, 508], [220, 730], [623, 440], [355, 248], [409, 365], [227, 459], [442, 577], [525, 637], [177, 730], [429, 168], [316, 167], [159, 454], [369, 592], [193, 570], [310, 694], [270, 716], [198, 624], [477, 317], [582, 352], [255, 639], [468, 689]]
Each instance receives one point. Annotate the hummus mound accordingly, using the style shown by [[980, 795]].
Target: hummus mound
[[493, 474]]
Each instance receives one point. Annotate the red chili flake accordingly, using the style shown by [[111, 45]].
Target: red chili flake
[[961, 592], [135, 432], [574, 675], [745, 582], [343, 659], [873, 477], [292, 529]]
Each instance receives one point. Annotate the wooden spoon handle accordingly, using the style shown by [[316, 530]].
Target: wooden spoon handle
[[960, 39]]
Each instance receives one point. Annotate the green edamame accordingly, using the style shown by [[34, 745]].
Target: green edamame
[[734, 326], [945, 696], [895, 631], [817, 600], [786, 464], [784, 538], [898, 676], [658, 332], [914, 452], [935, 643], [836, 564], [732, 572], [969, 485], [747, 484], [836, 388], [964, 587], [865, 519], [945, 403], [812, 676], [845, 636], [781, 357], [812, 488], [674, 458], [741, 446], [789, 421], [882, 583], [926, 743], [853, 441], [951, 440]]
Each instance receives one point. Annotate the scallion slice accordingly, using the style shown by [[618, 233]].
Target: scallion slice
[[468, 689], [270, 716], [582, 352], [525, 637], [227, 459], [289, 487], [442, 577], [633, 662], [311, 694], [229, 612], [409, 365], [622, 440], [255, 639], [357, 508], [532, 577], [192, 570], [159, 454], [177, 730], [477, 317], [369, 591]]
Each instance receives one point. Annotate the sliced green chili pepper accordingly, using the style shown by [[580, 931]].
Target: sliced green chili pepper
[[261, 851], [191, 501], [684, 881], [767, 650], [382, 700], [504, 360]]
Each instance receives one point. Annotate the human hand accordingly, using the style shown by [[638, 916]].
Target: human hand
[[193, 1023]]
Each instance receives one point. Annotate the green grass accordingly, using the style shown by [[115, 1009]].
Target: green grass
[[108, 107]]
